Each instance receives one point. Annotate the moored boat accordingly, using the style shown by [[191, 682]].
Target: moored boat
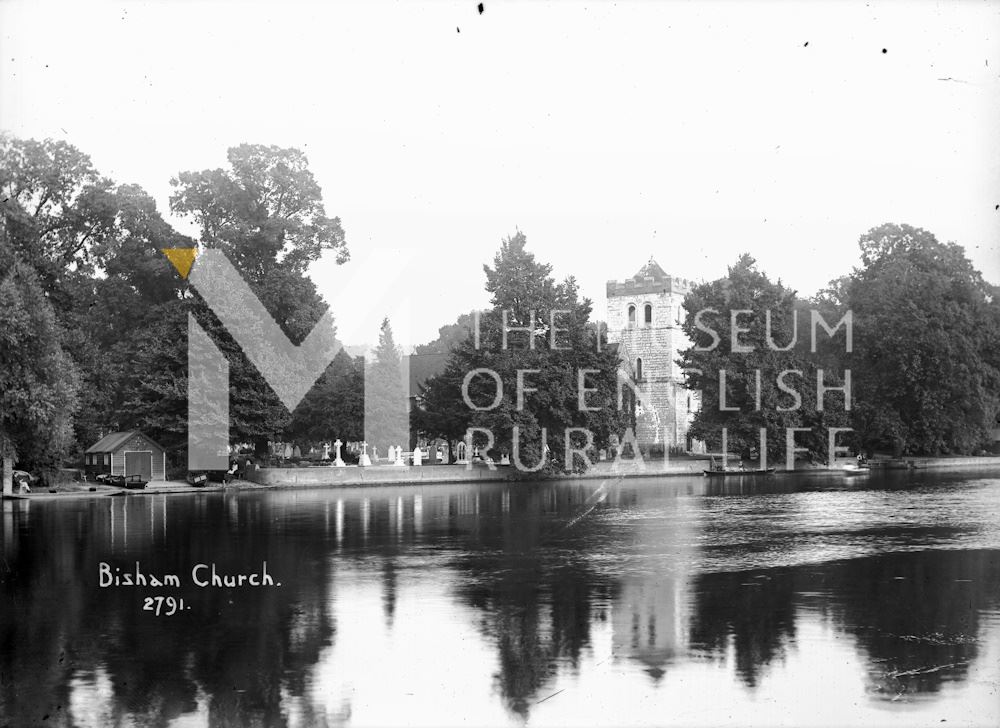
[[737, 471], [855, 469]]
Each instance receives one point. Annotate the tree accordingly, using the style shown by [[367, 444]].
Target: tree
[[926, 347], [58, 212], [386, 394], [128, 329], [449, 336], [334, 408], [94, 247], [266, 212], [38, 382], [524, 295], [150, 393], [747, 289], [439, 410]]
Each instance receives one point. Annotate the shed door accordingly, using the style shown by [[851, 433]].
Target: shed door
[[139, 463]]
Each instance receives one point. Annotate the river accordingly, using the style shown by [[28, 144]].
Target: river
[[796, 600]]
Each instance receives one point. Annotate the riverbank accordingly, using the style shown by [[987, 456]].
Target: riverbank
[[386, 475], [680, 466]]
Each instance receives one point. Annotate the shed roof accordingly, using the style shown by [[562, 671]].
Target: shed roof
[[110, 443]]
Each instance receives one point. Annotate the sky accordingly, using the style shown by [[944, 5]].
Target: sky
[[606, 132]]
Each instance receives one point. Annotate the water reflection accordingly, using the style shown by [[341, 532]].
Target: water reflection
[[644, 602]]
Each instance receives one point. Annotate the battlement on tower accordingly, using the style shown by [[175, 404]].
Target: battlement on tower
[[631, 286], [651, 278]]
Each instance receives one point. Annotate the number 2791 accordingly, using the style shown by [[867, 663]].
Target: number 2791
[[163, 606]]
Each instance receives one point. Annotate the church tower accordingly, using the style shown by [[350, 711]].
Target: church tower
[[644, 318]]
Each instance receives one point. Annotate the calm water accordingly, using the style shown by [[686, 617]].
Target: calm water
[[816, 600]]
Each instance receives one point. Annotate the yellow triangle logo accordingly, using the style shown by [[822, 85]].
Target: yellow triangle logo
[[182, 258]]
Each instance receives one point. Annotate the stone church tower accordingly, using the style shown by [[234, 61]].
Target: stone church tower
[[644, 319]]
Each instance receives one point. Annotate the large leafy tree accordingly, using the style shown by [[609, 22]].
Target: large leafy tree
[[93, 248], [121, 310], [745, 288], [927, 344], [266, 212], [58, 212], [131, 328], [525, 295], [38, 381]]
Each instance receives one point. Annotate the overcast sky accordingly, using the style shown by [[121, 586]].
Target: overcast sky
[[607, 133]]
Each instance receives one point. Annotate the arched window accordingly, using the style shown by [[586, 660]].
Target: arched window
[[638, 368], [648, 313], [631, 315]]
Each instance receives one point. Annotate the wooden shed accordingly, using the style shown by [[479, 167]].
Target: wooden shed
[[127, 453]]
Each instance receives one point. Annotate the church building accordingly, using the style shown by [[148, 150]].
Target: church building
[[644, 319]]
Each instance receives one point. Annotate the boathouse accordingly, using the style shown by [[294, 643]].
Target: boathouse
[[126, 453]]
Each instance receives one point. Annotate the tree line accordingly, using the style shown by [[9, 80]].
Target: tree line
[[93, 330], [923, 365], [93, 318]]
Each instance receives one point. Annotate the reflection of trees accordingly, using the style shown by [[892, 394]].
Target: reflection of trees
[[533, 580], [39, 609], [754, 609], [538, 603], [915, 615], [241, 648]]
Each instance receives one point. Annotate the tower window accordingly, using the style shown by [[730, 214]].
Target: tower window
[[638, 368], [631, 315], [648, 313]]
